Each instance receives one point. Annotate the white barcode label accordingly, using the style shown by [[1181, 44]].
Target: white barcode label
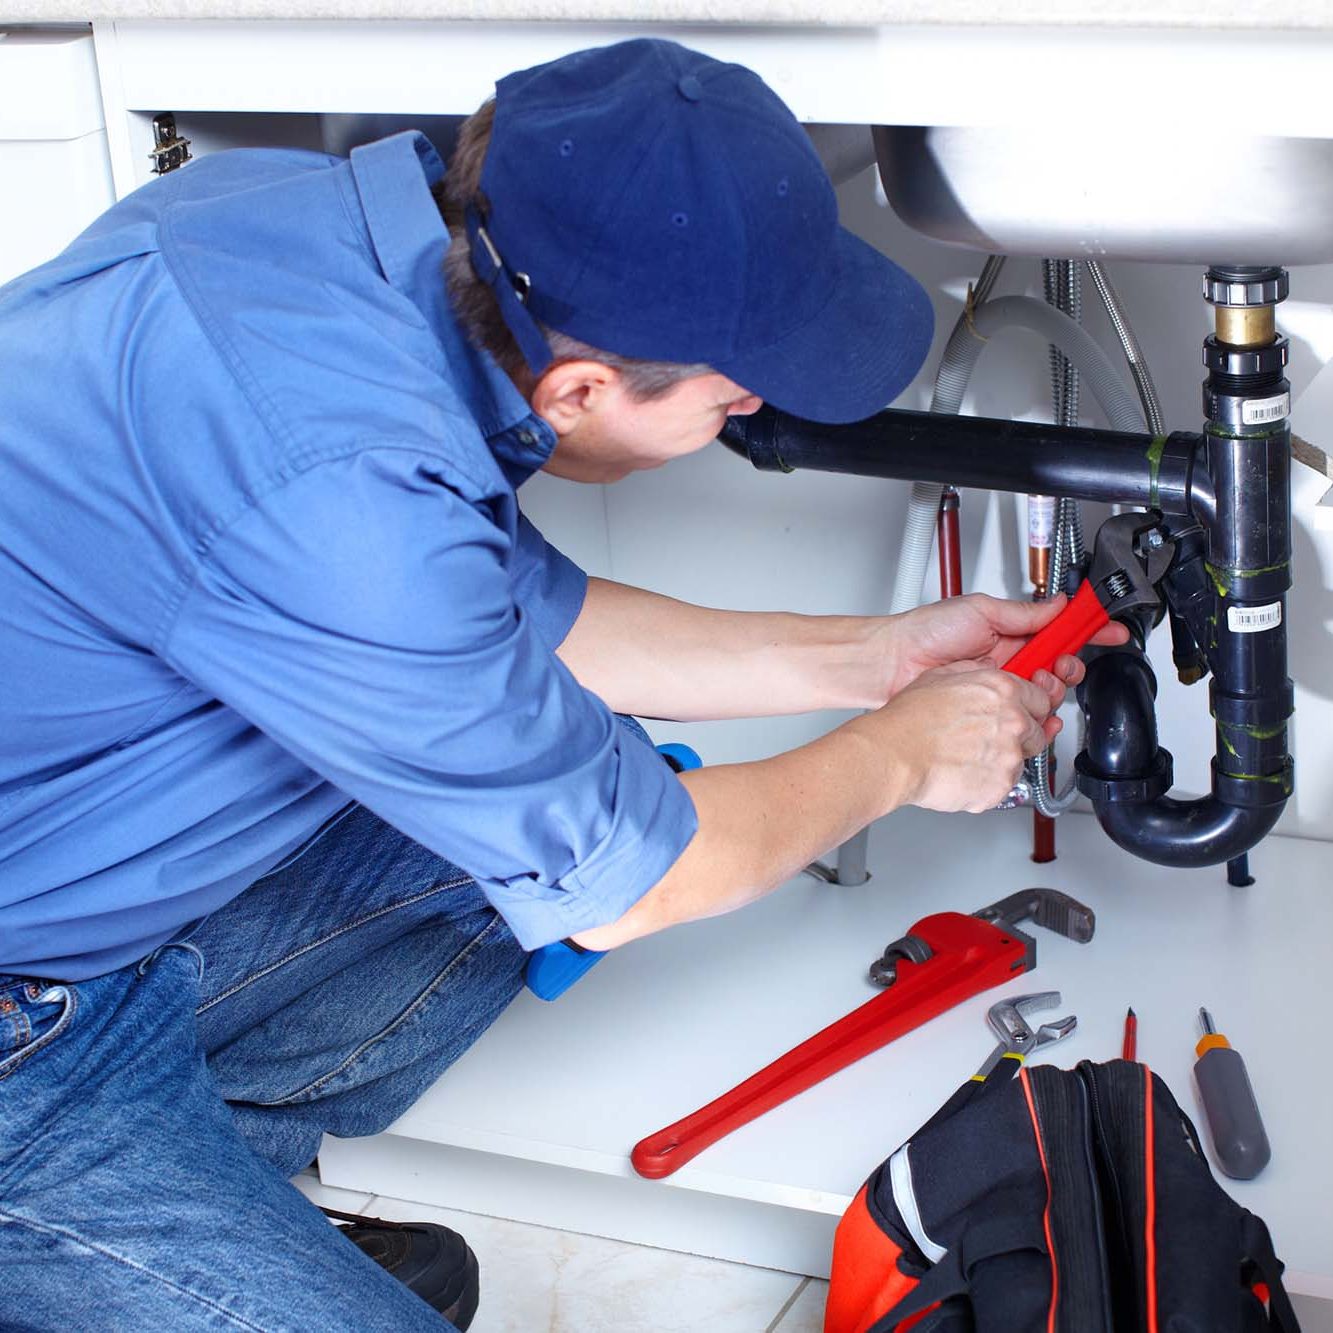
[[1260, 411], [1252, 619]]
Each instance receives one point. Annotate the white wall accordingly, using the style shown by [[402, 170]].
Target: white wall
[[711, 529]]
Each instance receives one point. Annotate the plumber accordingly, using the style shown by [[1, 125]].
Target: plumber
[[306, 734]]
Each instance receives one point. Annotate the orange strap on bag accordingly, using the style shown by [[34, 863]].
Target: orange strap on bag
[[866, 1279]]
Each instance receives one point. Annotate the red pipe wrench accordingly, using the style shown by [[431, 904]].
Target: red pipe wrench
[[1129, 558], [944, 959]]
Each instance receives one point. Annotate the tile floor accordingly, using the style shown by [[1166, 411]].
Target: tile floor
[[534, 1280]]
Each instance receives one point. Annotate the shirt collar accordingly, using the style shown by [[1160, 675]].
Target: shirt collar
[[394, 177]]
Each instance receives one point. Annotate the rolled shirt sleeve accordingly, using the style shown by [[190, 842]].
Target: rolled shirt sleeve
[[381, 624], [548, 584]]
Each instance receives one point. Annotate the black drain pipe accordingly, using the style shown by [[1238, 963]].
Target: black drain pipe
[[1225, 495], [1228, 585], [1023, 456]]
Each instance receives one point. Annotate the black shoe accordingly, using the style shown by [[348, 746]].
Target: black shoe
[[425, 1257]]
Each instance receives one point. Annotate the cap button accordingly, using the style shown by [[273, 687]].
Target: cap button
[[690, 88]]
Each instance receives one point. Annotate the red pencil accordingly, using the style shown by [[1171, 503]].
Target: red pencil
[[1130, 1049]]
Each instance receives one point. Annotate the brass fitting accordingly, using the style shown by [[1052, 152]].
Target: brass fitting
[[1247, 325], [1039, 569]]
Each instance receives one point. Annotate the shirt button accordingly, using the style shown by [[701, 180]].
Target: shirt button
[[526, 437]]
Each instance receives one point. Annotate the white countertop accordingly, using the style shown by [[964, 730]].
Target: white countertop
[[664, 1025], [1217, 14]]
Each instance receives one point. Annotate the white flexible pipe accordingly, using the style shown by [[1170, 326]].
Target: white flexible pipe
[[960, 357]]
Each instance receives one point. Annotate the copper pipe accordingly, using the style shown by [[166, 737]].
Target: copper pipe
[[1043, 838], [951, 559]]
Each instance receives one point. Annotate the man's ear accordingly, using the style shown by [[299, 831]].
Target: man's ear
[[570, 391]]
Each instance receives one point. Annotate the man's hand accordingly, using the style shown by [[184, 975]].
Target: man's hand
[[959, 734], [955, 739], [948, 730], [983, 630]]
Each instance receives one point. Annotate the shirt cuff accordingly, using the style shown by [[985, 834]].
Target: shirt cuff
[[652, 824]]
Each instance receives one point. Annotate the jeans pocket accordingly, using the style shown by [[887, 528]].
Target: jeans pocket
[[33, 1014]]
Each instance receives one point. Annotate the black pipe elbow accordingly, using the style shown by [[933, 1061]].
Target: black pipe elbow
[[1126, 775], [1187, 834], [1118, 696]]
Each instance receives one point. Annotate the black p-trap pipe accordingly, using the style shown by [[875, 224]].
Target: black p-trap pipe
[[1225, 494]]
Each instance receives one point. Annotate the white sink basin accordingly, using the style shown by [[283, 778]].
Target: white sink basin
[[1064, 193]]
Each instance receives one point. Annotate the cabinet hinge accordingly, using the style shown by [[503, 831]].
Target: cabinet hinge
[[169, 149]]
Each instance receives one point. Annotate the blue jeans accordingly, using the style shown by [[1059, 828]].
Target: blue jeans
[[150, 1118]]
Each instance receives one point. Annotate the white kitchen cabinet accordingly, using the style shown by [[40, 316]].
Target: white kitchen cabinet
[[55, 169]]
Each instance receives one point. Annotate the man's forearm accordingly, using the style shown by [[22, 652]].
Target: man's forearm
[[955, 739], [658, 657], [760, 823]]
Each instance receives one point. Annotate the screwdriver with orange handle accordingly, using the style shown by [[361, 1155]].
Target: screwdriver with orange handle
[[1239, 1138]]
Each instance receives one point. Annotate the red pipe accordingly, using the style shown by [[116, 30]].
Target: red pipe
[[951, 585], [951, 560], [1043, 838]]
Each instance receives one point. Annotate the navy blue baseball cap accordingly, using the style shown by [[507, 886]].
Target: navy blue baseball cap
[[659, 204]]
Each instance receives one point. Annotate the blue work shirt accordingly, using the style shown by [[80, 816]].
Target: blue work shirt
[[261, 554]]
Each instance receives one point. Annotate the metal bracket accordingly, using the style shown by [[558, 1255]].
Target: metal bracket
[[170, 151]]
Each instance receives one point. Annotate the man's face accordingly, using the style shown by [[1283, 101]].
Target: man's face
[[605, 434]]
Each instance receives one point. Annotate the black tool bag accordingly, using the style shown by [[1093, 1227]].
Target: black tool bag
[[1055, 1202]]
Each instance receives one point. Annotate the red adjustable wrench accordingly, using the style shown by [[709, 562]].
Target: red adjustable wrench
[[1129, 558], [943, 960]]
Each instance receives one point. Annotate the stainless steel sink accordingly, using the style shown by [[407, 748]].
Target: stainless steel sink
[[1203, 197]]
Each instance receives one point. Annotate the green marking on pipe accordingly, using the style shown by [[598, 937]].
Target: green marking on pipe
[[1247, 730], [1251, 434], [1155, 451], [1278, 779], [1260, 733], [1223, 576], [1262, 569]]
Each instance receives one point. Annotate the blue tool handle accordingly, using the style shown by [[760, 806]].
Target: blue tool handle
[[554, 968], [680, 758]]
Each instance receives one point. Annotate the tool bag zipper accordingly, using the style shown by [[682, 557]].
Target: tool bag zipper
[[1076, 1228], [1124, 1308]]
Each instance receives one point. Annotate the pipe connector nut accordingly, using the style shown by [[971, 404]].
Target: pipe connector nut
[[1125, 791], [1239, 287], [1247, 790], [1223, 359]]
